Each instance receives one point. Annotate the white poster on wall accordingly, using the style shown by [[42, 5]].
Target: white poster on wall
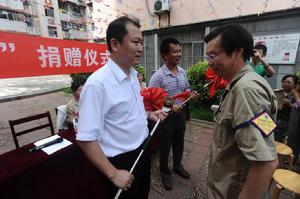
[[282, 49]]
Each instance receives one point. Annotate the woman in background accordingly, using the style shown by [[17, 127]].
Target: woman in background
[[72, 106], [286, 101], [259, 63], [294, 125], [141, 80]]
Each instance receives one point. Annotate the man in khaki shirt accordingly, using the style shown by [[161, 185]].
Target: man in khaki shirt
[[243, 157]]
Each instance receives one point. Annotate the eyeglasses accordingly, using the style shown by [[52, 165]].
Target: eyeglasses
[[213, 56], [287, 82]]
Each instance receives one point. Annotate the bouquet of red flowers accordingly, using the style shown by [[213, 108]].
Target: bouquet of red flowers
[[153, 98], [216, 81]]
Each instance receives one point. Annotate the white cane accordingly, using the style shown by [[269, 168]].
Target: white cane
[[208, 83], [185, 101], [168, 101]]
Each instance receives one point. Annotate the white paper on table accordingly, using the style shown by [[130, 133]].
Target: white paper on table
[[55, 147]]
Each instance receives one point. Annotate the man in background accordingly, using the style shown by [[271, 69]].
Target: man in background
[[172, 78]]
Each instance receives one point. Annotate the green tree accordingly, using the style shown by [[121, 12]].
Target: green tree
[[201, 108], [196, 77], [76, 76]]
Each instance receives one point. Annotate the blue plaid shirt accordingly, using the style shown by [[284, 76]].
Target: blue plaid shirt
[[164, 78]]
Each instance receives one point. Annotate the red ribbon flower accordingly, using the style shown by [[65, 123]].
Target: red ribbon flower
[[153, 98], [182, 96], [218, 82]]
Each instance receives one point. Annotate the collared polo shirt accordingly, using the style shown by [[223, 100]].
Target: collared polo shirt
[[111, 111], [165, 79]]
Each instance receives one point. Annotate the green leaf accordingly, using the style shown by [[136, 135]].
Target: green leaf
[[196, 77]]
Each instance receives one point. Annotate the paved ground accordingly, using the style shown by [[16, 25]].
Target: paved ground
[[197, 141], [25, 107], [198, 138], [15, 87]]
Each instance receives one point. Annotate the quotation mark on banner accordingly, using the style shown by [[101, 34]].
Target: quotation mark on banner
[[7, 47]]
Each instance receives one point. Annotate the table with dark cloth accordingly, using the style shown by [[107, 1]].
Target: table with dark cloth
[[65, 174]]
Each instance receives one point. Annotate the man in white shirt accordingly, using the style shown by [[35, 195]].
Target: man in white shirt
[[113, 121]]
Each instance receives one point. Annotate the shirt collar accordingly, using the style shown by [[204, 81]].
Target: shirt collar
[[119, 73], [242, 72], [168, 72]]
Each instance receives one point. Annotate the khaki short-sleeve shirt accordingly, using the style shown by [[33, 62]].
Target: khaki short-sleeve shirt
[[232, 150]]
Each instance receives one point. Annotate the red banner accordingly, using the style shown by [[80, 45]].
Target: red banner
[[25, 56]]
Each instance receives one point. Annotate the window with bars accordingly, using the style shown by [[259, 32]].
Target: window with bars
[[52, 31], [65, 25], [13, 16], [29, 21], [192, 53], [198, 51], [49, 12], [76, 11], [186, 58]]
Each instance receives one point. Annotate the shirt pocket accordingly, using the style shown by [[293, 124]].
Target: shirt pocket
[[224, 128]]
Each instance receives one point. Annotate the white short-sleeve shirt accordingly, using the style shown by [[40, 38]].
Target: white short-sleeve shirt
[[111, 111]]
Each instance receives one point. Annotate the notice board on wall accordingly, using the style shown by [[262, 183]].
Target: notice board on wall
[[282, 48]]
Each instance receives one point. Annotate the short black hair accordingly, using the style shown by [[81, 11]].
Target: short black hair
[[294, 77], [117, 29], [165, 45], [233, 37], [261, 47], [76, 83]]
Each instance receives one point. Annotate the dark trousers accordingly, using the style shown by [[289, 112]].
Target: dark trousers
[[141, 185], [281, 130], [294, 132], [172, 132]]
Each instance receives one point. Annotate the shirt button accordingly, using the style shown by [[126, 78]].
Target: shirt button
[[216, 166]]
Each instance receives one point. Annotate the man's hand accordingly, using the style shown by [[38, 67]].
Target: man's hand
[[287, 102], [122, 179], [176, 108], [194, 95], [154, 116]]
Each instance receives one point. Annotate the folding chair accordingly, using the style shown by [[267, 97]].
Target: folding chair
[[13, 123]]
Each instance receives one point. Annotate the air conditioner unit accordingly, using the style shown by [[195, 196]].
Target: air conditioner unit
[[161, 6]]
